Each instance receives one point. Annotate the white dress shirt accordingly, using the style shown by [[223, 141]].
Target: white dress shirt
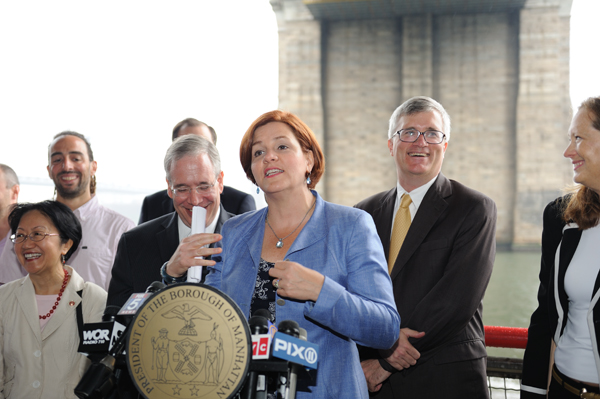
[[574, 354], [416, 197]]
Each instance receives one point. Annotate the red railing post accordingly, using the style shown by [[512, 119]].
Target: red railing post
[[506, 337]]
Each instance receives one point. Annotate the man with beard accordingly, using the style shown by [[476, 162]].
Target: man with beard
[[9, 194], [72, 167]]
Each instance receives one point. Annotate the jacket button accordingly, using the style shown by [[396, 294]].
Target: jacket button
[[281, 302], [36, 384]]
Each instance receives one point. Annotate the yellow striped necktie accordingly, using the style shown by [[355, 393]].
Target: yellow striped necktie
[[401, 226]]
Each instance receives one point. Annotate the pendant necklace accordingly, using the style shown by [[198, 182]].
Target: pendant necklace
[[280, 240]]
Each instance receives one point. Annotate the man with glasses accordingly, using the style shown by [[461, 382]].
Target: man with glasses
[[9, 195], [164, 248], [439, 239]]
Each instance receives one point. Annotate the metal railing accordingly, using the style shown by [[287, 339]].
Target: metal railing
[[504, 374]]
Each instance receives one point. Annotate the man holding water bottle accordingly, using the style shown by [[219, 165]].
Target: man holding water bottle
[[165, 248]]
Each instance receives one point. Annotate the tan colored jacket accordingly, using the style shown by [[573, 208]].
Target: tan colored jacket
[[46, 364]]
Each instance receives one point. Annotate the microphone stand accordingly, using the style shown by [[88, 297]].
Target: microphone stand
[[99, 380]]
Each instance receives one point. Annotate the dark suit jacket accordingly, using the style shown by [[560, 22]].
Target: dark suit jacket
[[159, 204], [442, 270], [141, 253], [547, 323]]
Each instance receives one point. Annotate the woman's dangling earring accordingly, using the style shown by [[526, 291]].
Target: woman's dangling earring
[[308, 180], [64, 260]]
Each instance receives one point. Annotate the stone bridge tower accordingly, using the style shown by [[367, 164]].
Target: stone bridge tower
[[499, 67]]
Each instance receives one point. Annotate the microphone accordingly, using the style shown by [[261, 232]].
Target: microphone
[[99, 380], [98, 338], [135, 301], [261, 344], [261, 339], [155, 287], [290, 344], [293, 349], [292, 328], [269, 316]]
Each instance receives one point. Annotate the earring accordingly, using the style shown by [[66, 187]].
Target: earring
[[308, 180], [257, 190], [64, 260]]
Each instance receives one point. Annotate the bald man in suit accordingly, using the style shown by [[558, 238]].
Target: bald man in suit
[[439, 239]]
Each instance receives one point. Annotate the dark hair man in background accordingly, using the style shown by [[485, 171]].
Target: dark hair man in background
[[159, 204]]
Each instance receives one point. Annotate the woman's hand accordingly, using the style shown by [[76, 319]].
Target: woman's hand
[[296, 281]]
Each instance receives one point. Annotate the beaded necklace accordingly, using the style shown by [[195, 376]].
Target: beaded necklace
[[58, 298]]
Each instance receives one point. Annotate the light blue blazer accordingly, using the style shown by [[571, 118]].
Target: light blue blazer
[[355, 305]]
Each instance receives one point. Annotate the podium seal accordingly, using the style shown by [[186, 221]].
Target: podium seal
[[189, 341]]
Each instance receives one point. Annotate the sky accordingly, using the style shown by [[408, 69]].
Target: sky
[[123, 73]]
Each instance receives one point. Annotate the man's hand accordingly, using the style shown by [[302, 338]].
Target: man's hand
[[296, 281], [374, 374], [190, 250], [404, 354]]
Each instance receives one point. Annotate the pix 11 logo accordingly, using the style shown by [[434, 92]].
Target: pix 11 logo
[[295, 350]]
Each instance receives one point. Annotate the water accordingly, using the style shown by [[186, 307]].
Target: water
[[511, 296]]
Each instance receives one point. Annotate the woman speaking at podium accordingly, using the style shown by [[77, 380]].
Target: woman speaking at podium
[[304, 259]]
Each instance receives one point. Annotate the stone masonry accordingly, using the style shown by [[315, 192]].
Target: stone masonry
[[501, 75]]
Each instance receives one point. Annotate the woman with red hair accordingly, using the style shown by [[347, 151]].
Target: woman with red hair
[[304, 259]]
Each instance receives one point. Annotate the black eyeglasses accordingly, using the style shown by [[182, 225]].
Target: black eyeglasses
[[36, 236], [412, 135]]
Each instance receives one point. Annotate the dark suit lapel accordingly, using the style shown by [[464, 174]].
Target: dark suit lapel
[[168, 238], [167, 204], [223, 217], [384, 217], [432, 206], [568, 246]]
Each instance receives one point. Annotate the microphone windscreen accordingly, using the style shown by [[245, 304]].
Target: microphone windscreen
[[264, 313], [258, 325], [155, 286], [110, 312], [289, 327], [303, 335]]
